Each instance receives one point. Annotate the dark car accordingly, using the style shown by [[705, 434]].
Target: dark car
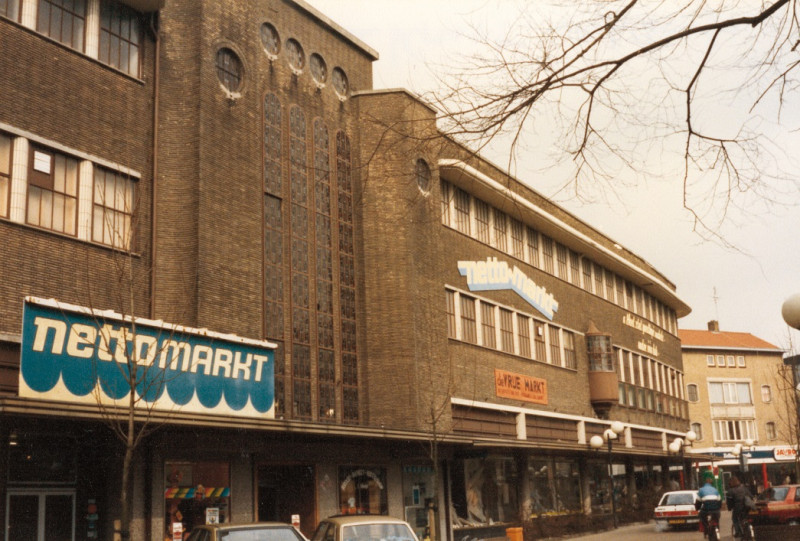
[[778, 505], [257, 531]]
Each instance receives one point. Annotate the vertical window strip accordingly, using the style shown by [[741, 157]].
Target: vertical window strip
[[450, 303], [555, 345], [113, 209], [561, 257], [506, 330], [547, 253], [533, 247], [539, 340], [570, 359], [468, 321], [273, 151], [461, 203], [574, 268], [482, 228], [587, 275], [523, 331], [500, 230], [488, 332], [598, 280], [446, 196], [53, 191], [517, 239], [5, 174]]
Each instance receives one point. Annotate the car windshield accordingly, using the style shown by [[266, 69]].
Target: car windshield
[[377, 532], [775, 494], [260, 534], [677, 499]]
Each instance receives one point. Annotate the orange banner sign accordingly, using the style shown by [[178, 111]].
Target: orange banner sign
[[520, 387]]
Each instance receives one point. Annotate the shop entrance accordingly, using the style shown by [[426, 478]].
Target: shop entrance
[[40, 515], [286, 490]]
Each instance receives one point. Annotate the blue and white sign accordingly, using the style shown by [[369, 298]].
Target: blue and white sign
[[494, 275], [75, 354]]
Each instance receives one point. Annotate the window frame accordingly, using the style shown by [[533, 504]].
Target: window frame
[[766, 393], [73, 16], [692, 394], [121, 13], [5, 177], [129, 185], [47, 182]]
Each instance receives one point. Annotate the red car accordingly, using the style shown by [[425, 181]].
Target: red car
[[778, 504]]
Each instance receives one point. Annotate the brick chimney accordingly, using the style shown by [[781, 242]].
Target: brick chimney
[[713, 325]]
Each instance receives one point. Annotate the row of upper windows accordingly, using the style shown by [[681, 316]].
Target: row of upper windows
[[631, 396], [641, 371], [726, 360], [102, 29], [230, 69], [484, 223], [478, 321], [737, 430], [729, 393], [52, 190]]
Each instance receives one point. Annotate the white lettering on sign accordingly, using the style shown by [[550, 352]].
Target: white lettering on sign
[[495, 275], [641, 325], [112, 343]]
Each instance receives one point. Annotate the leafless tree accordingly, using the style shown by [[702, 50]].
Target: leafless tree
[[789, 404], [620, 86]]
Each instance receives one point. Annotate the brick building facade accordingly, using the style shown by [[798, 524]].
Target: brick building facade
[[228, 166]]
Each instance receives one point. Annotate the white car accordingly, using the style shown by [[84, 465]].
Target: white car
[[677, 509], [363, 528]]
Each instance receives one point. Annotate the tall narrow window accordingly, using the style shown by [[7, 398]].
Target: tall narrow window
[[273, 147], [229, 69], [561, 257], [500, 230], [766, 393], [468, 321], [482, 232], [273, 266], [710, 360], [487, 326], [538, 338], [506, 330], [598, 280], [620, 291], [547, 253], [570, 359], [461, 205], [5, 174], [697, 428], [574, 268], [771, 432], [609, 285], [326, 365], [691, 392], [446, 195], [52, 191], [119, 37], [524, 333], [740, 361], [326, 370], [450, 304], [423, 174], [64, 21], [347, 285], [112, 213], [555, 346], [587, 276], [517, 239], [533, 247]]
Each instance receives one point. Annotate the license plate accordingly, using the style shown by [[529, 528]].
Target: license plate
[[677, 521]]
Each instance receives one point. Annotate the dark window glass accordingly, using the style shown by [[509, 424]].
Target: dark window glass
[[119, 37], [273, 151], [114, 201], [229, 69], [5, 174], [423, 174], [64, 21], [10, 9]]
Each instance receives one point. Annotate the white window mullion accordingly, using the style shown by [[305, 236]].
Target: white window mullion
[[457, 311], [515, 332], [498, 336], [19, 179], [92, 28], [479, 322], [29, 13], [85, 199], [546, 332]]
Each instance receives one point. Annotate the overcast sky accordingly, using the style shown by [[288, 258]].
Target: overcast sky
[[420, 39]]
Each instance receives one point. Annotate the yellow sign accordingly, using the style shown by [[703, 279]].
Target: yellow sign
[[520, 387]]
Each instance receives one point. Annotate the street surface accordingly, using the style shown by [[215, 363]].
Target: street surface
[[648, 532]]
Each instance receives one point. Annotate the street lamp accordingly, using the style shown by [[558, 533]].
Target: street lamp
[[739, 452], [596, 442], [678, 446]]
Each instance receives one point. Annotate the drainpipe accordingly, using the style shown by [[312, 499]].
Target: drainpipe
[[154, 24]]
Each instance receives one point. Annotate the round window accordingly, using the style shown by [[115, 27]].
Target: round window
[[229, 69], [340, 83], [270, 40], [319, 70], [297, 58], [423, 175]]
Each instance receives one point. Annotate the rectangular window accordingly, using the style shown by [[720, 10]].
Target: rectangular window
[[524, 334], [53, 191], [734, 430], [609, 285], [620, 291], [10, 9], [468, 323], [451, 313], [538, 338], [731, 361], [488, 333], [547, 253], [461, 205], [64, 21], [561, 258], [570, 359], [555, 346], [482, 221], [587, 275], [621, 364], [506, 330], [720, 360], [772, 434], [119, 37], [5, 172], [574, 268], [710, 360], [517, 239], [740, 361], [500, 241], [533, 247], [446, 196], [112, 210], [729, 393], [598, 280], [629, 296]]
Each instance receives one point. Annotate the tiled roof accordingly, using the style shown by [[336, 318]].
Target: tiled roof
[[724, 340]]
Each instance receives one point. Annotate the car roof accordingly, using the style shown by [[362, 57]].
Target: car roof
[[244, 525], [681, 492], [363, 519]]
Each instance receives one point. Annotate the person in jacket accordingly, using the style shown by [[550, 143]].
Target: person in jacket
[[736, 499], [709, 501]]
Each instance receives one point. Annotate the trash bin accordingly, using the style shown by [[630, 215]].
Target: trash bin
[[514, 534]]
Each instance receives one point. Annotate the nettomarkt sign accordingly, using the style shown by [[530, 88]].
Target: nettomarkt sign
[[495, 275], [76, 354]]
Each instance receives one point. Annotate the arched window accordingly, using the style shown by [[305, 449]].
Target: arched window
[[423, 173], [766, 393], [691, 392], [697, 428], [229, 69]]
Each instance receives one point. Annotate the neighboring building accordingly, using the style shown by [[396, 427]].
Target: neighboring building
[[226, 166], [737, 389]]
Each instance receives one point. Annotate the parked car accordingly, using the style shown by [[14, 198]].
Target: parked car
[[363, 528], [257, 531], [677, 509], [778, 504]]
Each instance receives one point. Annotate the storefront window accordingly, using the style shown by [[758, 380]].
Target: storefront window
[[491, 489], [362, 491], [39, 459], [196, 493], [555, 486], [417, 492], [600, 489]]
